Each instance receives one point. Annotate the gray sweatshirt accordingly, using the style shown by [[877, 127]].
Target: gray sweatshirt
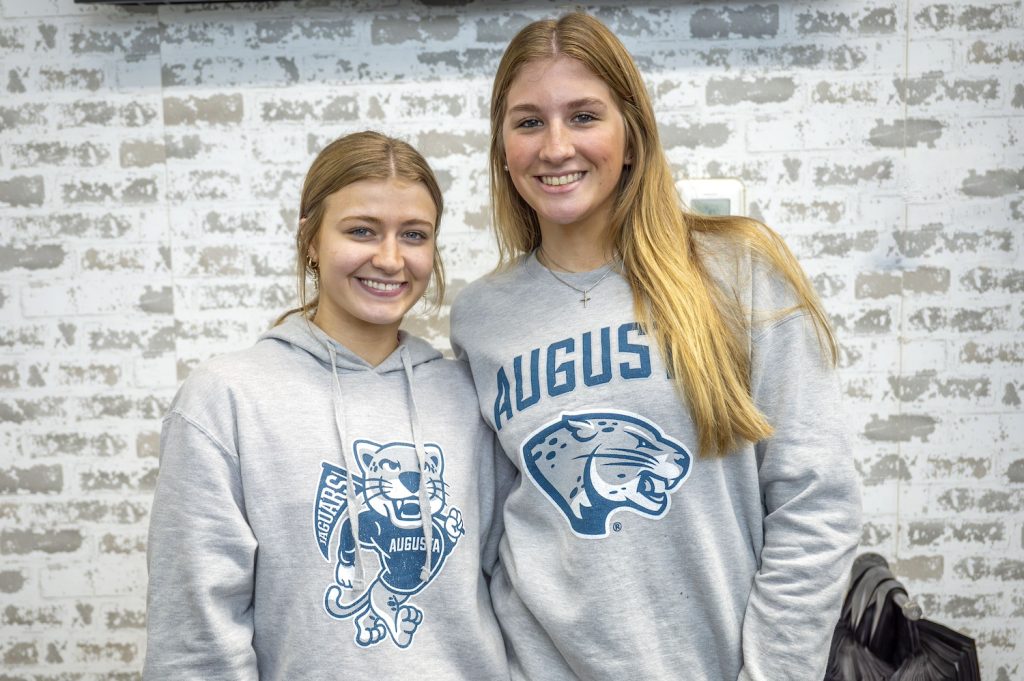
[[287, 538], [625, 555]]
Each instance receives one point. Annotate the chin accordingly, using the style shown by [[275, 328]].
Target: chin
[[565, 215], [561, 219], [383, 320]]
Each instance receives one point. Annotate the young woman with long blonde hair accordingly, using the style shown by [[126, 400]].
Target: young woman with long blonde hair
[[687, 506]]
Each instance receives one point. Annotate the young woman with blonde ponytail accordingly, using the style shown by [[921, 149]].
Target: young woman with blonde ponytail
[[687, 506], [327, 504]]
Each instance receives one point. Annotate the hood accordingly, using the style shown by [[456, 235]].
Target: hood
[[301, 333]]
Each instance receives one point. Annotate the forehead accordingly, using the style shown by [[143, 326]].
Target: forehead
[[556, 80], [391, 199]]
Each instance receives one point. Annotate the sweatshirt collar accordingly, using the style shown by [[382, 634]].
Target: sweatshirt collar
[[302, 333]]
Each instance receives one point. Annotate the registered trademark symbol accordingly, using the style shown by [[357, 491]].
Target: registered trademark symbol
[[616, 527]]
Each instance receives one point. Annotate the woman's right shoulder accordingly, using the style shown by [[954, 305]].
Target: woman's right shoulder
[[214, 383], [481, 292]]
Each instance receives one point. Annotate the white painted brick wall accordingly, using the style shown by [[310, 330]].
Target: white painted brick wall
[[150, 162]]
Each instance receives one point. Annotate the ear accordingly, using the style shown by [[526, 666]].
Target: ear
[[311, 251], [365, 451]]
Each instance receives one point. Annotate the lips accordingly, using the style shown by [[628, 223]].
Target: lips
[[379, 287], [561, 180]]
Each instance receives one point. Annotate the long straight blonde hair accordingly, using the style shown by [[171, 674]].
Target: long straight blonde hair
[[700, 330]]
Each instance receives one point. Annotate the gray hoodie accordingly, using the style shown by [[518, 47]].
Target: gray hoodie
[[262, 565]]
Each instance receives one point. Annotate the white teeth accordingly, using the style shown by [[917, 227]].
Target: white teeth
[[556, 180], [380, 285]]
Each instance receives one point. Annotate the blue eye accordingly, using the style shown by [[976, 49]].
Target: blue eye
[[529, 123], [584, 117], [359, 231], [416, 235]]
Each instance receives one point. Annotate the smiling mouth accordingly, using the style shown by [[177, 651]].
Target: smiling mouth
[[559, 180], [382, 286]]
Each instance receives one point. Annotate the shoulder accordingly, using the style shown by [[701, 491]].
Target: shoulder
[[738, 260], [726, 256], [481, 307], [477, 294], [451, 375], [214, 384], [445, 390]]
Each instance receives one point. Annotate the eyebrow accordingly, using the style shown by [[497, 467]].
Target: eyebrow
[[582, 103], [377, 221]]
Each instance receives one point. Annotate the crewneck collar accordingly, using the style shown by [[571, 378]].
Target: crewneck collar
[[583, 279]]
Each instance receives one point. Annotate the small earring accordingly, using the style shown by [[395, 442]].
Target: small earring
[[313, 267], [506, 167]]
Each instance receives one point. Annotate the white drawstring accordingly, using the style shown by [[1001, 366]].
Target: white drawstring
[[352, 507], [424, 493]]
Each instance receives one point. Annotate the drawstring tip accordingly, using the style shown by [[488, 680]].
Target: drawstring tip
[[424, 573]]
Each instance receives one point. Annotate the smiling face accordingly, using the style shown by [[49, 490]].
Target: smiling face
[[374, 252], [565, 144]]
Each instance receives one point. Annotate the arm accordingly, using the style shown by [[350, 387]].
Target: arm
[[505, 475], [812, 507], [201, 562]]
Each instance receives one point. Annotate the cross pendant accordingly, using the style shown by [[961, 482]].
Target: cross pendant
[[584, 299]]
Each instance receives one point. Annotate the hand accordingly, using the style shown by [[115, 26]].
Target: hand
[[344, 574], [453, 524]]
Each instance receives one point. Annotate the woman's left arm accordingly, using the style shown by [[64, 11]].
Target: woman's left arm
[[811, 498]]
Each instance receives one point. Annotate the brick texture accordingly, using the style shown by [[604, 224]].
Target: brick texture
[[150, 167]]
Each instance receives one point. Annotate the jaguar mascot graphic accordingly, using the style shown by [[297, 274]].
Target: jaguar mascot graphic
[[594, 464], [391, 525]]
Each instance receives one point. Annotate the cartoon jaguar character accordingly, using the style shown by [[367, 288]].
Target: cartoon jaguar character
[[391, 524], [592, 465]]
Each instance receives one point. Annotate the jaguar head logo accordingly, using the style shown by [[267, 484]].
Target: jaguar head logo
[[592, 465]]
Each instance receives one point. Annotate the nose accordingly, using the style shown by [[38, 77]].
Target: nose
[[411, 480], [558, 145], [388, 256]]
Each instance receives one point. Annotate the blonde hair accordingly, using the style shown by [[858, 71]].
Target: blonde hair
[[360, 156], [701, 331]]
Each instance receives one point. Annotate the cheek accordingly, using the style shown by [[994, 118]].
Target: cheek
[[421, 263], [341, 259], [610, 152], [518, 152]]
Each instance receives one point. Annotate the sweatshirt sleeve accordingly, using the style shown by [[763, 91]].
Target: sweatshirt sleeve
[[504, 477], [201, 562], [812, 507]]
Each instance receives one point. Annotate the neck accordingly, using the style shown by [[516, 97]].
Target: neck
[[574, 252], [372, 344], [580, 246]]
